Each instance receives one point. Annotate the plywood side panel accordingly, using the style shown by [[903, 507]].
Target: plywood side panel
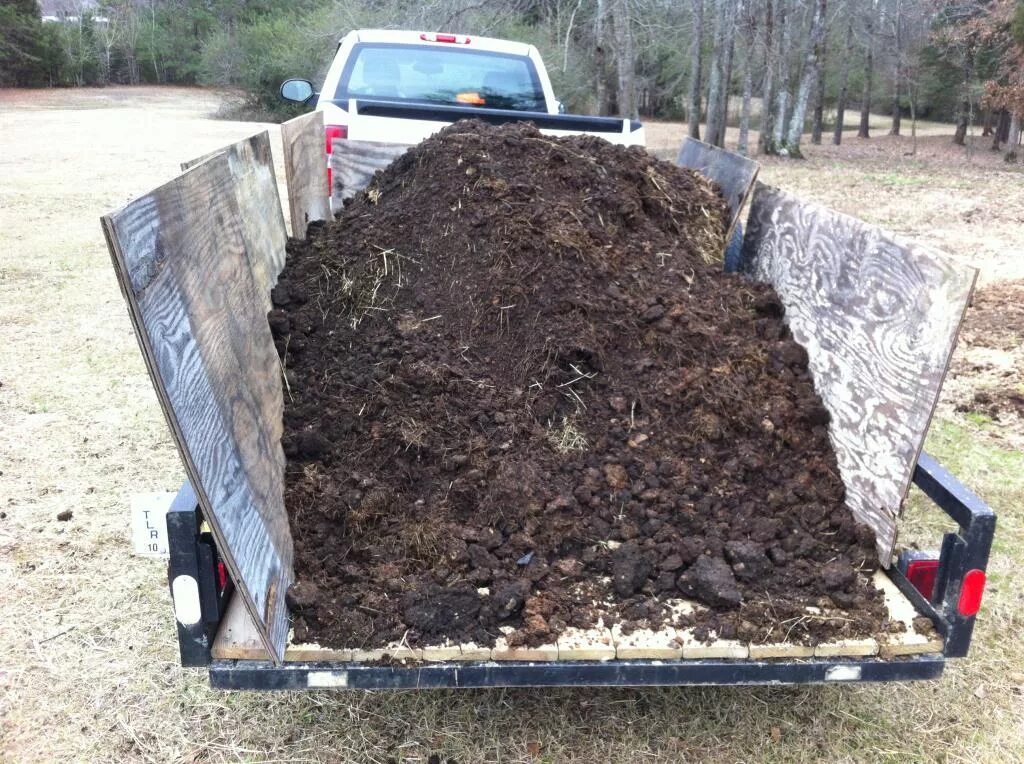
[[735, 174], [353, 164], [305, 169], [183, 261], [879, 319], [254, 185]]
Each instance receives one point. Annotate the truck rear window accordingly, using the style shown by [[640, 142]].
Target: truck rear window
[[431, 74]]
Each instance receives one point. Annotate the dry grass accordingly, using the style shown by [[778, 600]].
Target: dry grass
[[88, 663]]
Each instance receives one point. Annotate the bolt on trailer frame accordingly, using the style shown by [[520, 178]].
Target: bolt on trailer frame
[[946, 588]]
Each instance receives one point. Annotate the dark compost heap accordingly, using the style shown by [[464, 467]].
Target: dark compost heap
[[521, 392]]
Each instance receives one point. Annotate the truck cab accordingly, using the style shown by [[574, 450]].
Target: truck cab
[[396, 88], [426, 69]]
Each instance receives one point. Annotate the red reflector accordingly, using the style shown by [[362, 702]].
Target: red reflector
[[334, 131], [222, 576], [330, 181], [971, 590], [431, 37], [922, 573]]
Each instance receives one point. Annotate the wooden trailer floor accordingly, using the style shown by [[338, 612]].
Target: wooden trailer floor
[[238, 639]]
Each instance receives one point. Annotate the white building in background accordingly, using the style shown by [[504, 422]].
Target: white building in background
[[69, 11]]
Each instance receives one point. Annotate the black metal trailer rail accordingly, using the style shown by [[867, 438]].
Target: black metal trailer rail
[[259, 675], [949, 595]]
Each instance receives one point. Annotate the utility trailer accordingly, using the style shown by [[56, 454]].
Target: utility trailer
[[196, 259]]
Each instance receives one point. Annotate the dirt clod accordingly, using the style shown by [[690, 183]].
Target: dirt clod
[[711, 581]]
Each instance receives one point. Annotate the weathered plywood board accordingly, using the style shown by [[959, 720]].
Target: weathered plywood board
[[879, 320], [255, 189], [184, 264], [735, 174], [353, 164], [305, 171]]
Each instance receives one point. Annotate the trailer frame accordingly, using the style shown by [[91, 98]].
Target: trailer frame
[[193, 554]]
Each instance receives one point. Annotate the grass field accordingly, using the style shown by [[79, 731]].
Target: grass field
[[88, 662]]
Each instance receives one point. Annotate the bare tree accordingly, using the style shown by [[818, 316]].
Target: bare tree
[[844, 78], [730, 36], [819, 97], [784, 35], [869, 74], [897, 75], [808, 78], [600, 65], [768, 90], [625, 60], [965, 111], [695, 67], [713, 131], [749, 28]]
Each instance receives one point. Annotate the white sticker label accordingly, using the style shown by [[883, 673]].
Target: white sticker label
[[327, 679], [842, 674], [185, 593], [149, 523]]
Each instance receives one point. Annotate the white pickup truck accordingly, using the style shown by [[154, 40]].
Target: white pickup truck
[[398, 87]]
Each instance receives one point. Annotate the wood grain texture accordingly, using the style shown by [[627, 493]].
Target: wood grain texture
[[879, 320], [353, 164], [255, 188], [305, 171], [184, 265], [735, 174]]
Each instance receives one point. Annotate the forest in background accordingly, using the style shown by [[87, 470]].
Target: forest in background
[[778, 67]]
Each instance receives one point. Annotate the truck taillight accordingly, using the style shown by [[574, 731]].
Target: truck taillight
[[458, 39], [971, 589], [922, 574], [332, 132]]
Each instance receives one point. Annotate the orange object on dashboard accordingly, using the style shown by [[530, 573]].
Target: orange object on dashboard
[[470, 98]]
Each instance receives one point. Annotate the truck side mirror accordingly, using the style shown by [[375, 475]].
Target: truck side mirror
[[297, 90]]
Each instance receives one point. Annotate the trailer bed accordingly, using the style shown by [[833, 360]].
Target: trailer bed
[[238, 639]]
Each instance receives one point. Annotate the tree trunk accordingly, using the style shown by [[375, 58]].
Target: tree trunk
[[819, 98], [695, 68], [808, 78], [600, 65], [625, 62], [897, 70], [998, 133], [913, 119], [986, 130], [723, 120], [742, 147], [767, 91], [711, 133], [782, 96], [1003, 131], [844, 79], [869, 74], [963, 115], [1013, 138]]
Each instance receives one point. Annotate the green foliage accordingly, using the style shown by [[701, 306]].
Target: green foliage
[[23, 53], [258, 56]]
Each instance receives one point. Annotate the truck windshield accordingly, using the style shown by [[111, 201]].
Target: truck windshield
[[431, 74]]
